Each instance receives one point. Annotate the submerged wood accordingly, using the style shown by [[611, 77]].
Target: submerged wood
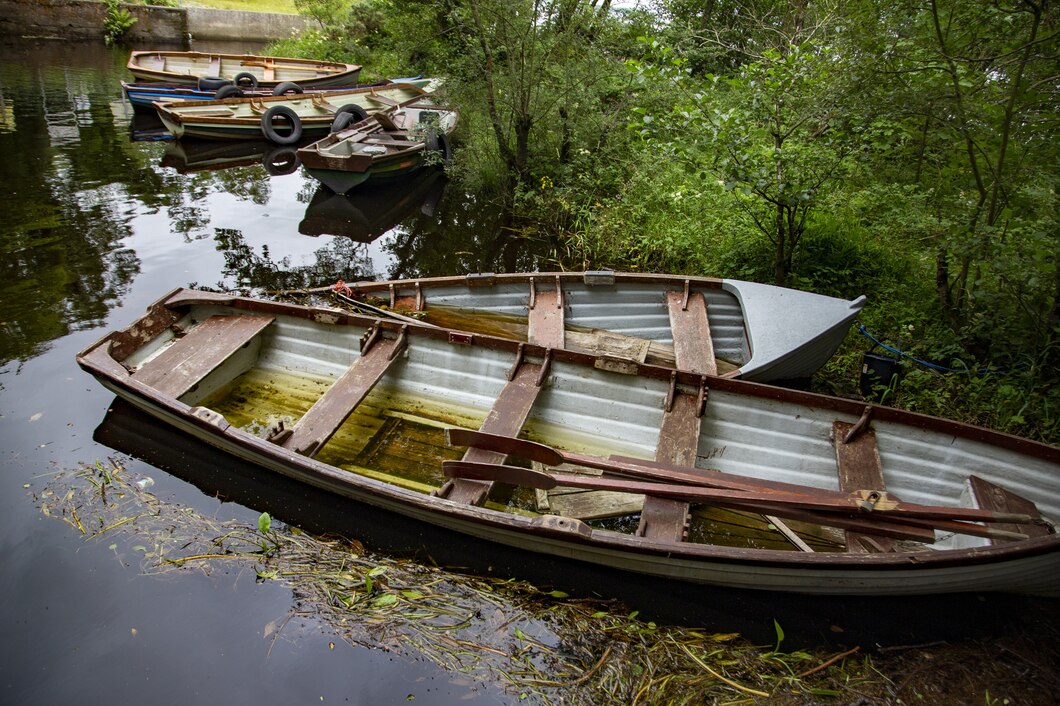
[[773, 439]]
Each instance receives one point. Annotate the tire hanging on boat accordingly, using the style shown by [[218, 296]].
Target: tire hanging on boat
[[287, 87], [347, 115], [228, 91], [439, 143], [285, 113], [281, 160], [212, 83], [246, 79]]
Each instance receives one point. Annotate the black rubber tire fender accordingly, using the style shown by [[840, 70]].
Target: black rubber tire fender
[[212, 83], [347, 115], [281, 160], [440, 143], [287, 87], [245, 79], [228, 91], [269, 129]]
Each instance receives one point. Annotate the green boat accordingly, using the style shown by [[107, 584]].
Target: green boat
[[388, 145]]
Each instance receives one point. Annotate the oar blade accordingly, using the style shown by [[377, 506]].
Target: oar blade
[[512, 475], [521, 448]]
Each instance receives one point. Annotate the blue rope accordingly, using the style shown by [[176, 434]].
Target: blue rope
[[902, 354]]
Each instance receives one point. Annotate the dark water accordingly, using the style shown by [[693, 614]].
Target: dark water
[[94, 226]]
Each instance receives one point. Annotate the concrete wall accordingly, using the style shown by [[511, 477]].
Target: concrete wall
[[83, 19], [234, 24]]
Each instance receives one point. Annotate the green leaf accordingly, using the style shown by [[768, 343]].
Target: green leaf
[[387, 599], [264, 522], [780, 633], [558, 594], [377, 571]]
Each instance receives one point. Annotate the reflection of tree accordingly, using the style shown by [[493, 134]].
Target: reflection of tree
[[244, 269], [62, 263], [468, 233]]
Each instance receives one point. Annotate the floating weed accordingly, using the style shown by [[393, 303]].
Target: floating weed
[[541, 647]]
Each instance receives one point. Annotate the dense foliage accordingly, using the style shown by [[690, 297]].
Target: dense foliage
[[905, 149]]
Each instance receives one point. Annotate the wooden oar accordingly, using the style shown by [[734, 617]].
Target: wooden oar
[[535, 479], [303, 67], [637, 468], [812, 498], [862, 502]]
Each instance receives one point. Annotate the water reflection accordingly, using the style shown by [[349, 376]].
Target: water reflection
[[365, 214]]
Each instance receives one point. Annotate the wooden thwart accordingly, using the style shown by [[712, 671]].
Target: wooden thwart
[[335, 406], [188, 360], [665, 518], [858, 461]]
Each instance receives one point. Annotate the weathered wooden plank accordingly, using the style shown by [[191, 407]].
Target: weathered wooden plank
[[507, 416], [858, 462], [693, 345], [663, 518], [546, 319], [991, 496], [188, 360], [328, 413]]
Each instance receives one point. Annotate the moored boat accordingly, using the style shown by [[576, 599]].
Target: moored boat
[[387, 145], [429, 422], [283, 119], [143, 96], [754, 331], [187, 67]]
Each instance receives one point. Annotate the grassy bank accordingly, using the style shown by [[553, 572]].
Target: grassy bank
[[285, 7]]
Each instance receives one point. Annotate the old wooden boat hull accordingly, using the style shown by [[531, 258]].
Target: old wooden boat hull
[[143, 96], [386, 147], [225, 369], [241, 118], [187, 67], [756, 332]]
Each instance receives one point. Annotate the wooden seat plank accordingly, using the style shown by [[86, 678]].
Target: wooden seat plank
[[663, 518], [991, 496], [188, 360], [510, 409], [858, 462], [693, 345], [215, 66], [507, 416], [546, 319], [336, 405]]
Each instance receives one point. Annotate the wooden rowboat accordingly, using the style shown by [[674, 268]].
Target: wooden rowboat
[[187, 67], [387, 145], [429, 423], [143, 96], [303, 115], [754, 331]]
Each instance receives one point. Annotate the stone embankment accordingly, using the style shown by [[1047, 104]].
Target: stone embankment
[[83, 19]]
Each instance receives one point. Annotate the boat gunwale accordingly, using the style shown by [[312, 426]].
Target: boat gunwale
[[357, 487]]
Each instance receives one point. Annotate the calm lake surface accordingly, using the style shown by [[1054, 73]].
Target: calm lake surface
[[101, 217]]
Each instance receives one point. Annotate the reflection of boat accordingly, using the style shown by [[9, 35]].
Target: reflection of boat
[[754, 331], [366, 214], [188, 156], [296, 116], [379, 412], [387, 145], [188, 67], [147, 128]]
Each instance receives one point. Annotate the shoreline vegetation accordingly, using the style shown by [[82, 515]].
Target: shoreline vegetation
[[539, 645]]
